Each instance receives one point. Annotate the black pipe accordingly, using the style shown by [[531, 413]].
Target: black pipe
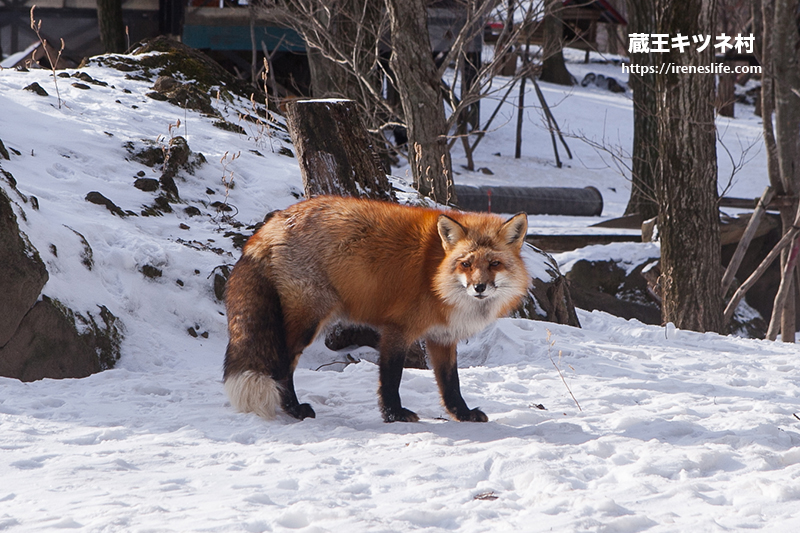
[[532, 200]]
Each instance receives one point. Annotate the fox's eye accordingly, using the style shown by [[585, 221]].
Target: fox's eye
[[494, 264], [466, 264]]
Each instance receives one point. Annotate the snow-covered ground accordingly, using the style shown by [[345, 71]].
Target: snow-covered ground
[[615, 427]]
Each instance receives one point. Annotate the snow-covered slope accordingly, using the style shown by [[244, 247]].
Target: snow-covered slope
[[614, 427]]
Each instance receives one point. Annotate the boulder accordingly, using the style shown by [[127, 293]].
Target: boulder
[[47, 344], [548, 297], [40, 337], [606, 286], [22, 272]]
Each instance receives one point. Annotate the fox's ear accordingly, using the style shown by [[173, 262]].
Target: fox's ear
[[450, 231], [514, 230]]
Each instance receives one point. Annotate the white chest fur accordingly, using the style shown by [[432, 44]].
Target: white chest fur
[[466, 319]]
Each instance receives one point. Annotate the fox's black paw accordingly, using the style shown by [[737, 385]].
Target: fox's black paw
[[472, 415], [301, 411], [400, 414]]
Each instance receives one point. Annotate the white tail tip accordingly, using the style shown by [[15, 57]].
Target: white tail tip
[[251, 392]]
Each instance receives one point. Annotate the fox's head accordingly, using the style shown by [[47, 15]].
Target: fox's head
[[482, 260]]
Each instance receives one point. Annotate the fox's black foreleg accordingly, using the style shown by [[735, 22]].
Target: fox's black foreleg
[[445, 367], [392, 355], [289, 402]]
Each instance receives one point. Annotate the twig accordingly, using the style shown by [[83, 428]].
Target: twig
[[565, 381], [36, 26], [227, 174], [521, 106], [551, 126], [482, 133], [350, 361], [166, 147], [559, 370]]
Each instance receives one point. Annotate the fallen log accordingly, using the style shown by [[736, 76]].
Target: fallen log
[[533, 200]]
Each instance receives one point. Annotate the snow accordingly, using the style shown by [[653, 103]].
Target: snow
[[13, 59], [643, 427]]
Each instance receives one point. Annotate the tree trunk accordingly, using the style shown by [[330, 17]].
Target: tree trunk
[[764, 54], [419, 86], [112, 29], [726, 95], [686, 177], [764, 18], [554, 70], [785, 44], [334, 150], [644, 158]]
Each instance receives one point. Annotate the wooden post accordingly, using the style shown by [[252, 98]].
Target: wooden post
[[744, 243], [334, 150], [551, 121], [785, 241], [521, 105]]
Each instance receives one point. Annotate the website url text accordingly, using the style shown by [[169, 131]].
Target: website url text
[[671, 68]]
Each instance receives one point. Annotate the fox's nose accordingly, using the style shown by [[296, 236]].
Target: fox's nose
[[480, 287]]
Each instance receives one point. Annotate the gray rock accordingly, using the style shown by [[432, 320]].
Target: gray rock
[[22, 272], [548, 297], [36, 88], [47, 344]]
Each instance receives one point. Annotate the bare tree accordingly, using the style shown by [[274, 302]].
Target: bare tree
[[375, 83], [343, 43], [781, 83], [419, 84], [686, 176], [345, 40], [644, 156], [554, 70], [112, 29]]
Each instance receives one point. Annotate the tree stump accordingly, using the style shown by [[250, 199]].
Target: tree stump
[[334, 150]]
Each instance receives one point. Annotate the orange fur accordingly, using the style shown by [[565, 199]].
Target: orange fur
[[409, 272]]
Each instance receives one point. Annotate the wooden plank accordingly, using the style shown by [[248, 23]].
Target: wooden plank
[[750, 203], [624, 222]]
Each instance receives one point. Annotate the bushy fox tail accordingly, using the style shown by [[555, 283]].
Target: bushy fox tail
[[252, 392], [256, 356]]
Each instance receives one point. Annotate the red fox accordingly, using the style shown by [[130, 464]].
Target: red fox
[[412, 273]]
